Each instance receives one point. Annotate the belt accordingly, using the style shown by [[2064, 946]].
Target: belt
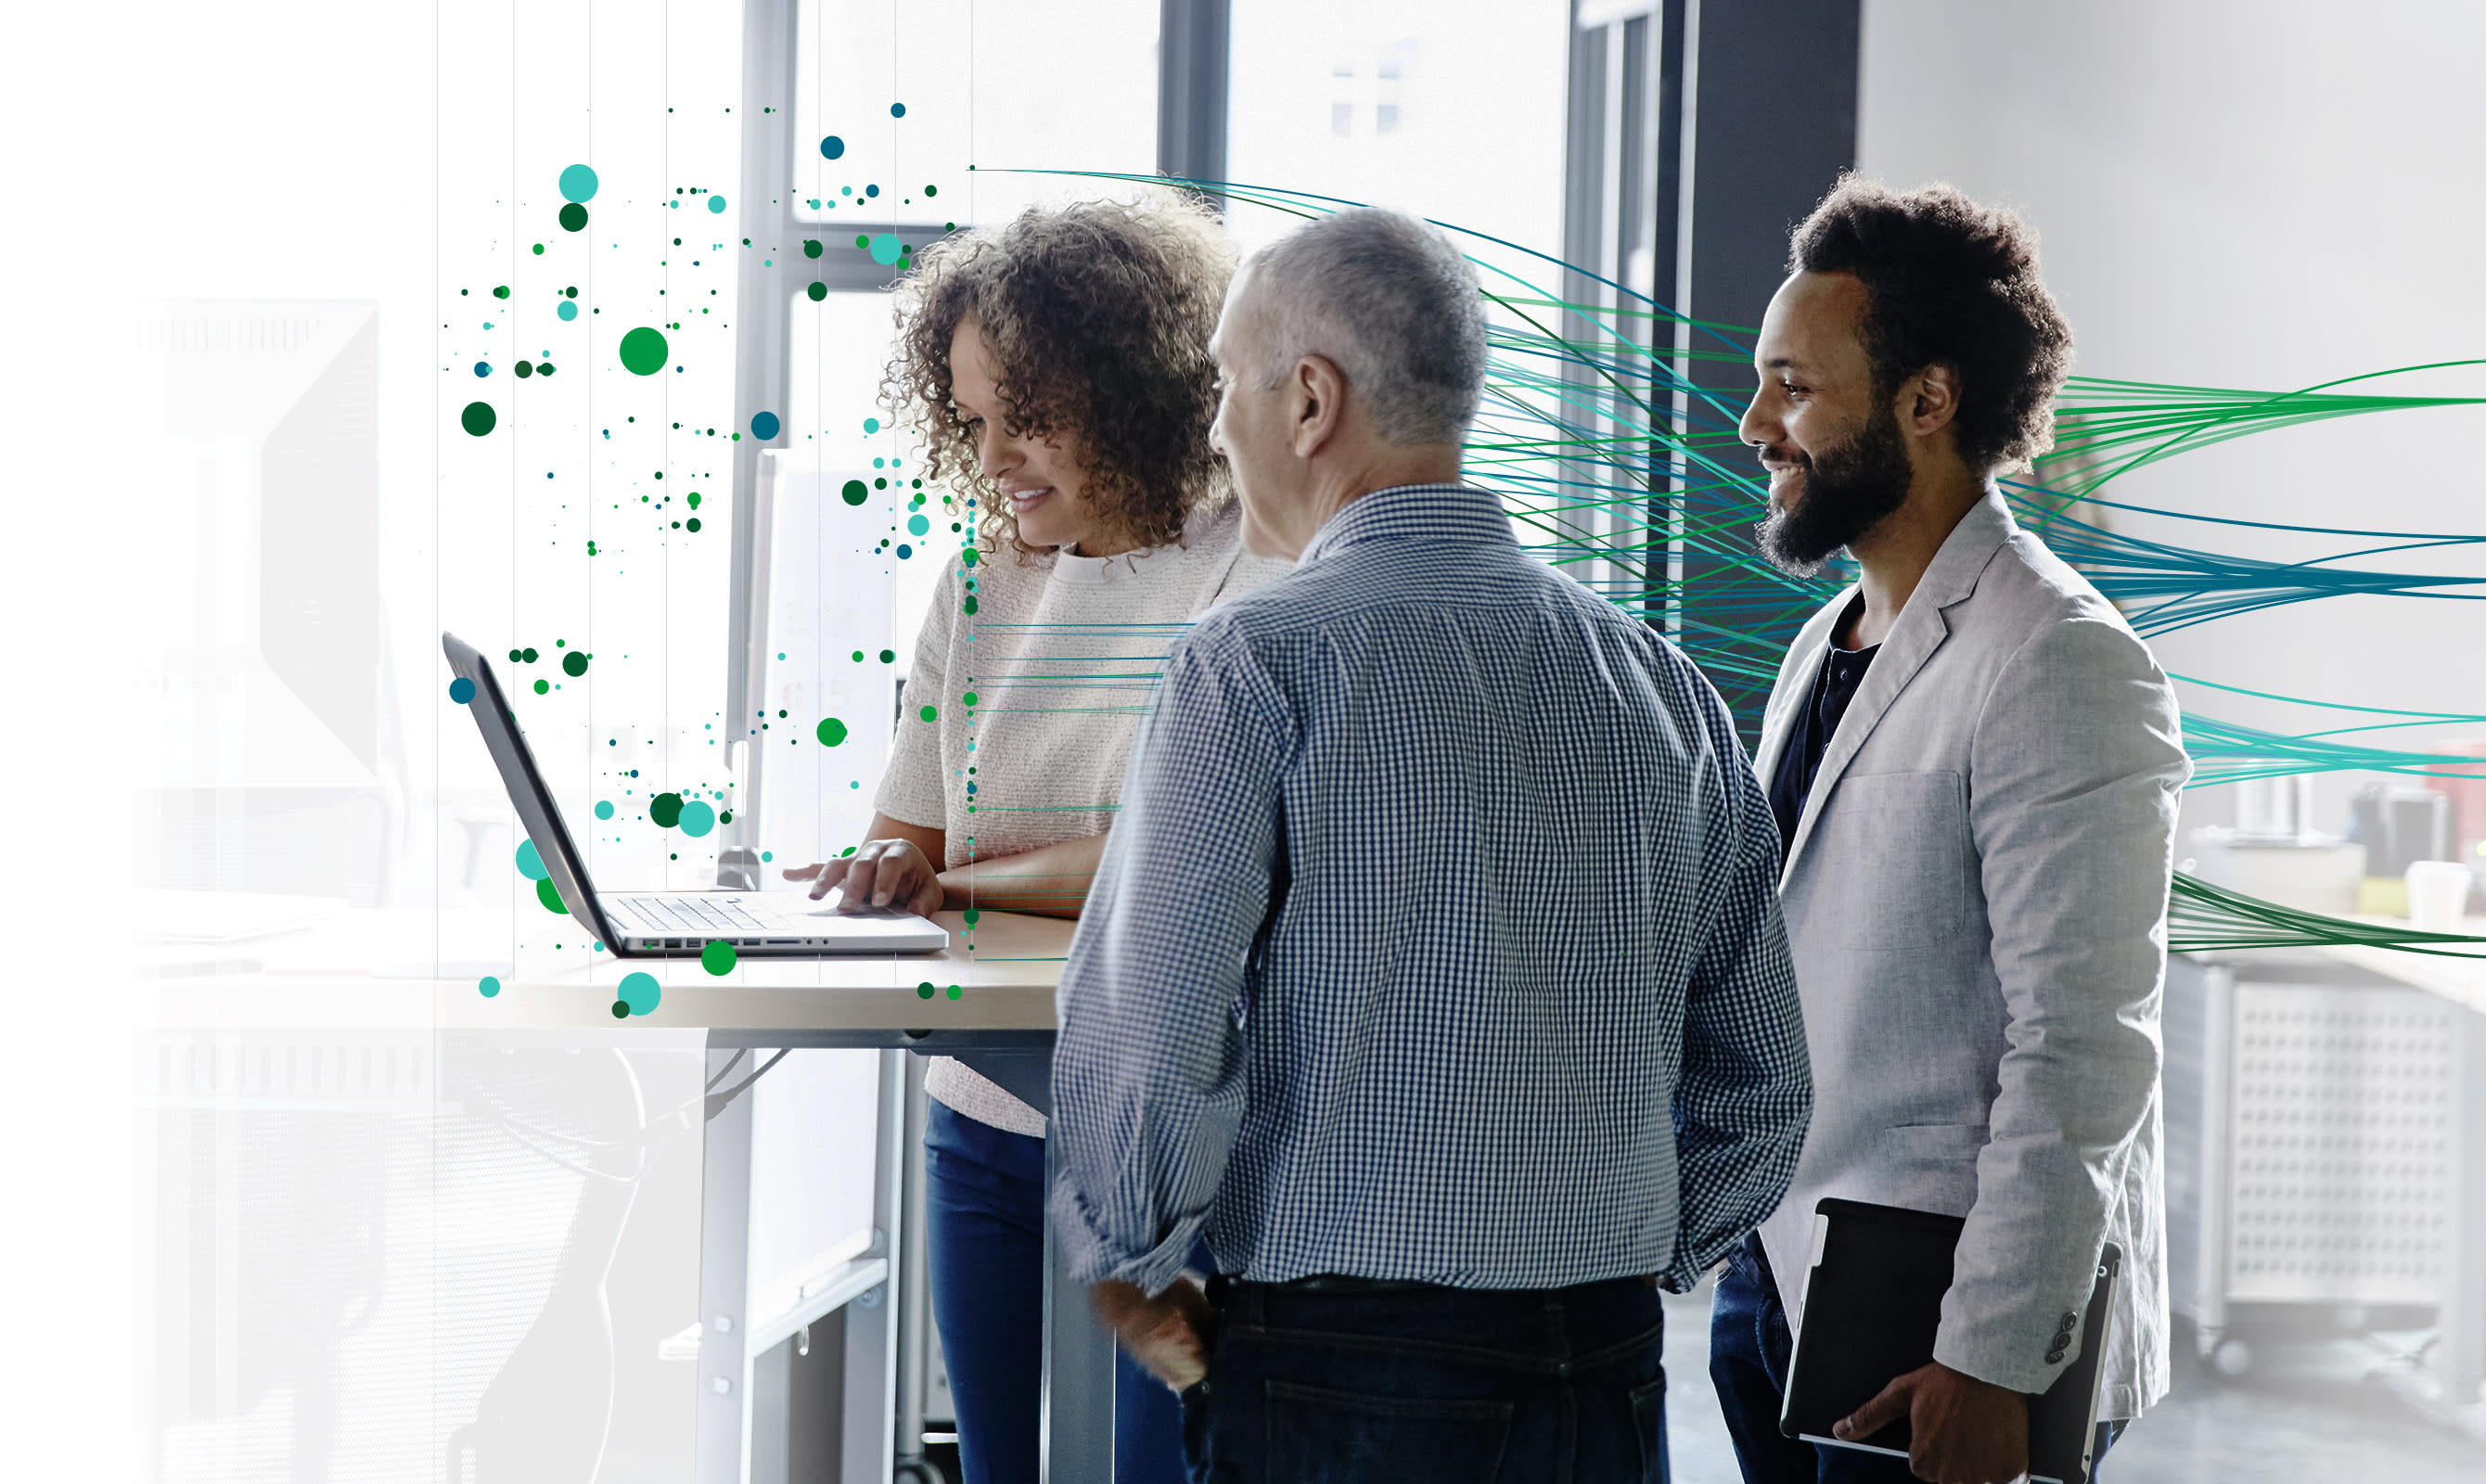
[[1339, 1282]]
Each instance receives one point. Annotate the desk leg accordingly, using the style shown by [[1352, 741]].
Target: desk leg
[[1077, 1445], [720, 1433], [2460, 1357]]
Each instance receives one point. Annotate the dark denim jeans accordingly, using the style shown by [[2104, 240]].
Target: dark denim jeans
[[1748, 1345], [1432, 1385], [985, 1221]]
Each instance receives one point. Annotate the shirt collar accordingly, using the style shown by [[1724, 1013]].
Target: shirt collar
[[1437, 514]]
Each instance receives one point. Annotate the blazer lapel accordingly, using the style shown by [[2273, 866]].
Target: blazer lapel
[[1922, 628]]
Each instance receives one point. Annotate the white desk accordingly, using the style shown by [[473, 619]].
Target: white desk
[[2449, 1386], [1006, 972]]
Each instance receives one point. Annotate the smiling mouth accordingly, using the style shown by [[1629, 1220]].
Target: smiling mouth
[[1021, 499]]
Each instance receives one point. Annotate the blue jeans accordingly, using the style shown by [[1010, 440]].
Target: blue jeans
[[984, 1204], [1432, 1385], [1748, 1345]]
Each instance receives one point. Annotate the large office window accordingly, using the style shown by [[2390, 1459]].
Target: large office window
[[885, 127], [1452, 111]]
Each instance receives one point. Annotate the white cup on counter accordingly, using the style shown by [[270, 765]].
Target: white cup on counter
[[2438, 894]]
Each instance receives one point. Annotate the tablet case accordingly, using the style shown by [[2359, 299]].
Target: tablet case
[[1872, 1302]]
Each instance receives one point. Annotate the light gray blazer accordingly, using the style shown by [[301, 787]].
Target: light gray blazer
[[1976, 902]]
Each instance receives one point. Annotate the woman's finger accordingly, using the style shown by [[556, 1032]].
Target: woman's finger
[[829, 875], [802, 872]]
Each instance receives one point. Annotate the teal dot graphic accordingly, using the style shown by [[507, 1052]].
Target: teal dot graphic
[[489, 986], [832, 147], [764, 426], [643, 351], [641, 993], [916, 525], [530, 865], [885, 248], [697, 818], [461, 690], [872, 425], [567, 310], [717, 958], [716, 202], [578, 183], [897, 110], [604, 808]]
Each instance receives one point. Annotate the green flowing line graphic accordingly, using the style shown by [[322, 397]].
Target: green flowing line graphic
[[2205, 919], [1617, 467]]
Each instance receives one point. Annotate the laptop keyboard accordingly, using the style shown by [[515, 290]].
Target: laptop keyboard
[[692, 915]]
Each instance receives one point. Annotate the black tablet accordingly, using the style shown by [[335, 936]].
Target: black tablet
[[1872, 1302]]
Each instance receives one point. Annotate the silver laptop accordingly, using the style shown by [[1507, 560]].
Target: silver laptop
[[668, 925]]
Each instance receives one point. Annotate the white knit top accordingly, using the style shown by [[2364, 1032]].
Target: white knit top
[[1034, 693]]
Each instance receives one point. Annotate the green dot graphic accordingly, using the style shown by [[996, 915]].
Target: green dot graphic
[[573, 663], [574, 217], [479, 419], [930, 713], [550, 897], [855, 490], [717, 958], [666, 809], [643, 351], [831, 732], [924, 991]]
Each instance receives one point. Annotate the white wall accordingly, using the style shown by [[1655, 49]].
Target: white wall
[[2253, 195]]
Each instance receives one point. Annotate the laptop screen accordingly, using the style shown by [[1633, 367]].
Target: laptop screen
[[519, 775]]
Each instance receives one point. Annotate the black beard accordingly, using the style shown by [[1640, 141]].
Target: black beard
[[1847, 491]]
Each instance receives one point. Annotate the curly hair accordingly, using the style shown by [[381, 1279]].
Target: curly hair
[[1098, 315], [1950, 283]]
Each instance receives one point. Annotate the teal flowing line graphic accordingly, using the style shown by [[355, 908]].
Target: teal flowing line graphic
[[1620, 468]]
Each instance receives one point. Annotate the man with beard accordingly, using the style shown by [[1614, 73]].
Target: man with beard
[[1973, 764]]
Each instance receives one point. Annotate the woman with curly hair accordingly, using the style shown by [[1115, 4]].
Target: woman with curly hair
[[1056, 368]]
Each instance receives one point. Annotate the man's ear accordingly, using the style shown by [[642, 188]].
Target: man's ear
[[1928, 400], [1319, 395]]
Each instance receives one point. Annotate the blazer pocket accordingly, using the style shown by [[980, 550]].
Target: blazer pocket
[[1892, 857], [1933, 1166]]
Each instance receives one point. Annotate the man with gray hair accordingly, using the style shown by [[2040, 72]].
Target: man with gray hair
[[1434, 967]]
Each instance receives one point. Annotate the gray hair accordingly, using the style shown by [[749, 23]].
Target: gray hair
[[1390, 302]]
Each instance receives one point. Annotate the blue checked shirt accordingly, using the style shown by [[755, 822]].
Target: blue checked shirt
[[1437, 939]]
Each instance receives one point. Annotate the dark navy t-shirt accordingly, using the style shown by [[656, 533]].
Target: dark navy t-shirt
[[1833, 688]]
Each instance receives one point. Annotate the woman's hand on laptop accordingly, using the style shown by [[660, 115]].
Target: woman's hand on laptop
[[881, 873]]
